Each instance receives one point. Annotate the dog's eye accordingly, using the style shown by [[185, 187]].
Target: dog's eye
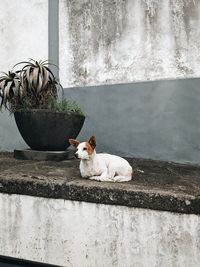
[[85, 148]]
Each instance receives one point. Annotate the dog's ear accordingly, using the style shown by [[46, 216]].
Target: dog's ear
[[92, 141], [74, 142]]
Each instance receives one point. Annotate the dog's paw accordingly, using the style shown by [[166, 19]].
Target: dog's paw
[[96, 178], [101, 179], [121, 179]]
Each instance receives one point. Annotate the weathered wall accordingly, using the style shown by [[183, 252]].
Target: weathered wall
[[78, 234], [119, 41], [23, 35], [109, 42], [105, 41]]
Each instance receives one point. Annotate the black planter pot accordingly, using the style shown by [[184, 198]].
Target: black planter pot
[[48, 130]]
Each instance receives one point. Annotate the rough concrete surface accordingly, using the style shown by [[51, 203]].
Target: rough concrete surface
[[162, 186], [46, 217], [80, 234], [105, 41]]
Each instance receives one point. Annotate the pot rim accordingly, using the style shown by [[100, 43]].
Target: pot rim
[[49, 111]]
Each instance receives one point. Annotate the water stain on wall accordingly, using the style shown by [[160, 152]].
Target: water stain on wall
[[114, 41], [71, 233], [93, 27]]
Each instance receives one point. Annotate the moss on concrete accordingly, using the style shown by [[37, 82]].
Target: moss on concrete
[[163, 185]]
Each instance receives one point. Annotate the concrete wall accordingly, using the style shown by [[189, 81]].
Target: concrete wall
[[110, 42], [23, 31], [77, 234], [23, 35], [105, 41]]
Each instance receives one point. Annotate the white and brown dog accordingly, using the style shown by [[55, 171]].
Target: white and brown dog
[[101, 167]]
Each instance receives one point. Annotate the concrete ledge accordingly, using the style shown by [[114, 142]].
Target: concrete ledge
[[29, 154], [163, 185]]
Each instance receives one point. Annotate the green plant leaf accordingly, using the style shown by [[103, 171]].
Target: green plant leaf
[[16, 88], [39, 86], [29, 87], [35, 77], [2, 83], [7, 90], [22, 62], [45, 77], [50, 72], [29, 77]]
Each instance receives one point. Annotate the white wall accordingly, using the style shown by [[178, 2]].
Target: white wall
[[23, 31], [103, 42], [23, 35], [80, 234]]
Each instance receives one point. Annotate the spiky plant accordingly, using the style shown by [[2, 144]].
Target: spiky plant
[[10, 90], [28, 88], [39, 82]]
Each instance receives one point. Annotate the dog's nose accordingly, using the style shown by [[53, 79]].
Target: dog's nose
[[76, 155]]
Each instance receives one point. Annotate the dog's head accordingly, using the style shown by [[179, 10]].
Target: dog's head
[[86, 149]]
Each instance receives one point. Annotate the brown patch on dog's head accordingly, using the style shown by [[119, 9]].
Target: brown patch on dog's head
[[89, 148], [74, 142], [92, 141]]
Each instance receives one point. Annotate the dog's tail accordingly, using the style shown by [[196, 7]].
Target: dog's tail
[[138, 170]]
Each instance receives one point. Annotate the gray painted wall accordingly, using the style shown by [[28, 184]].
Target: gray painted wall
[[158, 119], [9, 135], [53, 35]]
